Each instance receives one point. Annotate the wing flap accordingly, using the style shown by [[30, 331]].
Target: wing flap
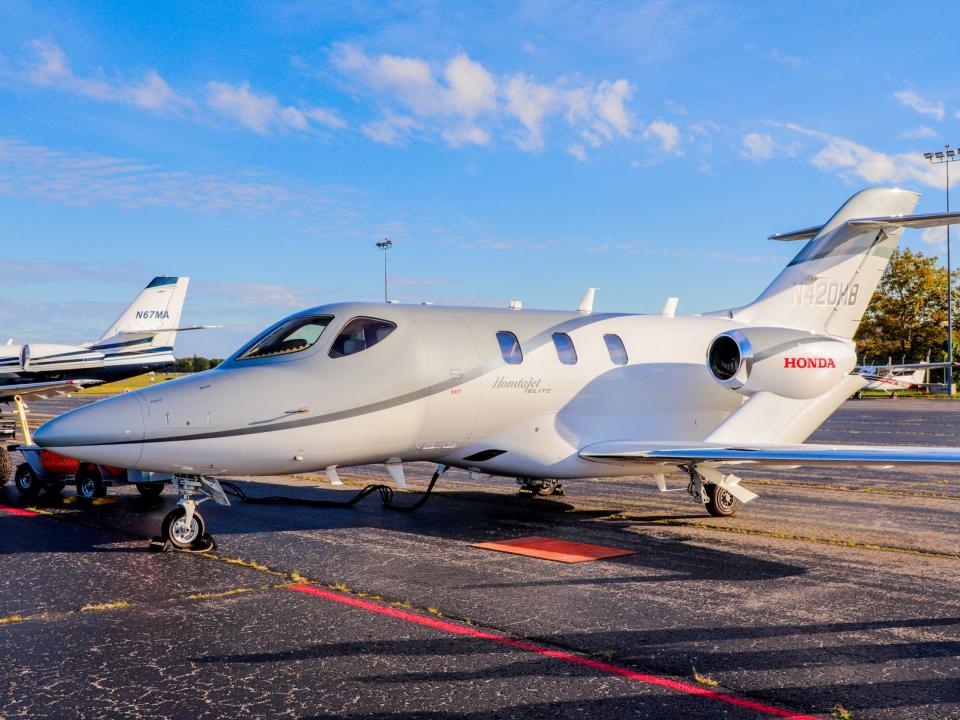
[[626, 452], [8, 392]]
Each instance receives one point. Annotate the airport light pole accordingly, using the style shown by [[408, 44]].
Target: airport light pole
[[945, 157], [385, 245]]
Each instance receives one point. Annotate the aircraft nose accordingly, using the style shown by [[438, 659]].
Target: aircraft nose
[[108, 432]]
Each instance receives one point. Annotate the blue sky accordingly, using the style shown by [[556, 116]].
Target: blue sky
[[516, 150]]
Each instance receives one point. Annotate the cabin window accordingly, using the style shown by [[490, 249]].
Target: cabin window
[[618, 353], [291, 336], [565, 349], [510, 348], [359, 334]]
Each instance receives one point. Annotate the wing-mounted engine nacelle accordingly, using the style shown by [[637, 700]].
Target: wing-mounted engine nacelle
[[785, 362]]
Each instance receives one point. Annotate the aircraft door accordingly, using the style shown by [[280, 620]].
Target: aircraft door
[[453, 365]]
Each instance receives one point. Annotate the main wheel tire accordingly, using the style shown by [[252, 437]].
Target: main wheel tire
[[151, 489], [548, 487], [858, 395], [721, 503], [6, 466], [176, 531], [90, 483], [27, 482], [894, 395]]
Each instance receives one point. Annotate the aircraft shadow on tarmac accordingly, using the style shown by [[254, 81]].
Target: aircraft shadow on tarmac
[[497, 516], [659, 654]]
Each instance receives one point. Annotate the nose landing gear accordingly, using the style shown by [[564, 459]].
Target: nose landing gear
[[184, 528]]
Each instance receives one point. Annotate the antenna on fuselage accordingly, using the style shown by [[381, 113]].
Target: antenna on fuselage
[[670, 307], [586, 305]]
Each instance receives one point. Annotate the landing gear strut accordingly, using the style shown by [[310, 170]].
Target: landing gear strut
[[184, 528], [539, 486], [721, 495]]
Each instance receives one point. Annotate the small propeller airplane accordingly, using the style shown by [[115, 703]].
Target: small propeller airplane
[[893, 378], [530, 394]]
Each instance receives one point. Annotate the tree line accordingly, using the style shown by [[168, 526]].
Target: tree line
[[194, 364], [906, 320]]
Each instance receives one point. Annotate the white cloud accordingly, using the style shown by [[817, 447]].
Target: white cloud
[[530, 102], [256, 112], [936, 236], [463, 102], [578, 152], [757, 146], [261, 112], [793, 61], [471, 89], [919, 132], [391, 130], [665, 133], [50, 68], [917, 103], [847, 159], [84, 179]]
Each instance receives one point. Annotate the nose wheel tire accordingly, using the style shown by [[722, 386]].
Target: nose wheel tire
[[720, 503], [90, 484], [179, 533], [151, 490], [28, 485]]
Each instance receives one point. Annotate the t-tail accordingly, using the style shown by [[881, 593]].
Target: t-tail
[[150, 323], [826, 288], [791, 352]]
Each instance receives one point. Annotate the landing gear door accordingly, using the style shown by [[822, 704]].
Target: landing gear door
[[453, 368]]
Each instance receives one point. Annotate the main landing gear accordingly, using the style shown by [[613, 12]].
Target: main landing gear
[[721, 495], [184, 528], [539, 486]]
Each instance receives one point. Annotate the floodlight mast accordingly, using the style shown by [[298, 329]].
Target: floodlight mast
[[385, 245], [945, 157]]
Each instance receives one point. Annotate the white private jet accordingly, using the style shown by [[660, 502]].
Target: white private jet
[[526, 393], [140, 340]]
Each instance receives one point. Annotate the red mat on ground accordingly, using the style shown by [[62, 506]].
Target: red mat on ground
[[550, 549]]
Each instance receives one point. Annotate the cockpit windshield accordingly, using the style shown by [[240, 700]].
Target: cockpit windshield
[[292, 336]]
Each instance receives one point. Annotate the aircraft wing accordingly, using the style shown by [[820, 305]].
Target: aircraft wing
[[40, 389], [860, 369], [629, 452]]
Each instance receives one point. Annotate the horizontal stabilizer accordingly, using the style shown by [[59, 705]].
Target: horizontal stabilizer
[[891, 221], [909, 221], [626, 452], [153, 331], [804, 234]]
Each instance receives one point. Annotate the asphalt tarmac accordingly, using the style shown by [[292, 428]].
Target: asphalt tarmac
[[837, 592]]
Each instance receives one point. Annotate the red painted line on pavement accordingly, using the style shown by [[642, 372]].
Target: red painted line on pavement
[[456, 629], [18, 511]]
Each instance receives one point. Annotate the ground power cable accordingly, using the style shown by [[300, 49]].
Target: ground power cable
[[386, 496]]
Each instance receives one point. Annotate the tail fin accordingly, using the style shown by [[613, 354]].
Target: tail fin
[[826, 288], [152, 319]]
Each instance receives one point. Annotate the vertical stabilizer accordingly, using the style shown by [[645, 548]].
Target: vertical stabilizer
[[151, 320], [826, 288]]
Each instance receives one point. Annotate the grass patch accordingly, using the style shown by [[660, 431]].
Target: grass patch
[[839, 711], [211, 595], [134, 383], [99, 607], [705, 679]]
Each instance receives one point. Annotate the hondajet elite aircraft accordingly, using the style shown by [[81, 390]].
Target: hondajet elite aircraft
[[526, 393]]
